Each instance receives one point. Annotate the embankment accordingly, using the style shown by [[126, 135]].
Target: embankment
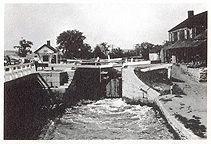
[[29, 102], [28, 106], [134, 89]]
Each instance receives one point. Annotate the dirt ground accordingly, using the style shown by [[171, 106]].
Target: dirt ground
[[192, 104], [188, 103]]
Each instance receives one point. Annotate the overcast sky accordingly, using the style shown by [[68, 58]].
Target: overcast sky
[[120, 24]]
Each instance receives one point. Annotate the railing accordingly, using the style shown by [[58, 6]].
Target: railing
[[16, 71]]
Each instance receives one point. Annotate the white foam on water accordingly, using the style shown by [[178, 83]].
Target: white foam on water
[[109, 119], [118, 103]]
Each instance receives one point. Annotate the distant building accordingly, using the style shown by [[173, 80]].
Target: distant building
[[127, 50], [154, 53], [187, 40], [47, 53]]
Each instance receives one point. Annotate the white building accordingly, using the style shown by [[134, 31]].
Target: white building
[[47, 53]]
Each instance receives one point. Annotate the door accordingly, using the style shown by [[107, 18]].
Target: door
[[114, 88]]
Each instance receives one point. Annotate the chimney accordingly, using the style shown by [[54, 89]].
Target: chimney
[[48, 43], [190, 14]]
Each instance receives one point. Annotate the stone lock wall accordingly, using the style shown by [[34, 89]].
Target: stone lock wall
[[197, 74], [55, 78]]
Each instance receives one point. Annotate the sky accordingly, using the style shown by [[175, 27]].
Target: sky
[[120, 24]]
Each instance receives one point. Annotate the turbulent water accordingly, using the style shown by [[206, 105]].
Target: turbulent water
[[108, 119]]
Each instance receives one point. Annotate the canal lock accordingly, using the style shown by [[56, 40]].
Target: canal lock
[[87, 84], [101, 84]]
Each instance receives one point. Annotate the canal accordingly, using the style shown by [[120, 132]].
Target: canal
[[107, 119]]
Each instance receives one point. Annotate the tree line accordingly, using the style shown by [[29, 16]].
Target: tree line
[[71, 44]]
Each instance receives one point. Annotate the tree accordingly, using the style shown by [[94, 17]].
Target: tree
[[98, 53], [101, 50], [143, 49], [167, 43], [130, 53], [116, 53], [71, 42], [104, 47], [86, 51], [24, 47], [155, 48], [138, 49]]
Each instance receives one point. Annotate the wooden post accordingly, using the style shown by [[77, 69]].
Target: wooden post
[[169, 72], [131, 59], [57, 58], [100, 74]]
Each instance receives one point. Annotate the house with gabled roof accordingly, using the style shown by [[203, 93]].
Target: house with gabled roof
[[187, 40], [47, 53]]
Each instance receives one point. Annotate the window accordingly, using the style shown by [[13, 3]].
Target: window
[[181, 35], [170, 37], [188, 34], [45, 58], [175, 36]]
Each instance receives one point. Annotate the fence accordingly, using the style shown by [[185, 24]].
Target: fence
[[16, 71]]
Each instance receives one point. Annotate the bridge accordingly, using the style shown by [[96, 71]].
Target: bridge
[[17, 71], [12, 72]]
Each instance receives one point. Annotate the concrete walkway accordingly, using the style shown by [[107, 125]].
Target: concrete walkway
[[133, 88]]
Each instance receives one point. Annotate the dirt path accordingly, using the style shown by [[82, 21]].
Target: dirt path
[[191, 104]]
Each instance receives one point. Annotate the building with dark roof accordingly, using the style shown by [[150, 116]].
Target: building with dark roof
[[47, 53], [187, 40], [154, 53]]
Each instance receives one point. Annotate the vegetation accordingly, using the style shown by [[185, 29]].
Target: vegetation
[[24, 47], [157, 80], [71, 42], [101, 50], [193, 124], [130, 53], [143, 49], [117, 53]]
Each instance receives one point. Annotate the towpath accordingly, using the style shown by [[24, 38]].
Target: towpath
[[193, 103]]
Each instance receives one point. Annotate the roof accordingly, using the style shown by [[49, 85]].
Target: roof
[[185, 44], [10, 52], [30, 56], [199, 19], [195, 42], [45, 45], [201, 36], [155, 49], [14, 57]]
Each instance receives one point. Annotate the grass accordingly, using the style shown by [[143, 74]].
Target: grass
[[158, 80], [193, 124]]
